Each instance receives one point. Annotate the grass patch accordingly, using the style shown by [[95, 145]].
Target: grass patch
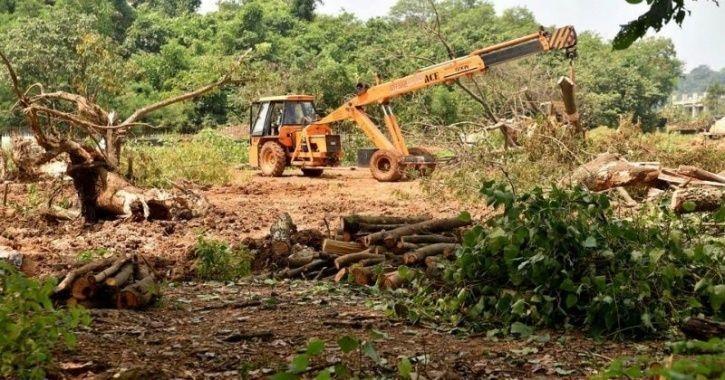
[[218, 261], [206, 158]]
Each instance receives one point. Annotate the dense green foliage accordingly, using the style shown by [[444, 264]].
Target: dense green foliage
[[563, 258], [208, 159], [126, 56], [699, 79], [30, 327], [216, 260]]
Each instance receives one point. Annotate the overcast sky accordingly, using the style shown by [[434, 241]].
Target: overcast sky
[[701, 40]]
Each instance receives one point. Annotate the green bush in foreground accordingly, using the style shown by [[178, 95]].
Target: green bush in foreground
[[217, 261], [29, 325], [562, 258]]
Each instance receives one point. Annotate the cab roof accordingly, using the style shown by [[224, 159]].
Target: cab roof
[[292, 97]]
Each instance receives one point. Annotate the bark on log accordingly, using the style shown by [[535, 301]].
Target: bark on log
[[290, 273], [303, 256], [431, 250], [341, 275], [609, 170], [104, 274], [703, 329], [351, 258], [74, 274], [120, 278], [628, 200], [675, 178], [337, 247], [138, 294], [695, 172], [428, 239], [352, 223], [391, 281], [371, 262], [281, 234], [702, 198], [403, 247], [391, 238], [362, 275]]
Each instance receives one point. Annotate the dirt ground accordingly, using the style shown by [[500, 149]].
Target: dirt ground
[[252, 328]]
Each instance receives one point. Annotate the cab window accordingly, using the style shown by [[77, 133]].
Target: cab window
[[260, 121], [300, 113]]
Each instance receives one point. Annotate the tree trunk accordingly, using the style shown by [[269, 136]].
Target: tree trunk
[[695, 172], [609, 170], [431, 250], [120, 278], [74, 274], [700, 198], [352, 223], [351, 258], [337, 247], [362, 275], [428, 239], [281, 233], [391, 238], [138, 294]]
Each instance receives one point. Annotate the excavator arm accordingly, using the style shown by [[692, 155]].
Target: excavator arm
[[447, 72]]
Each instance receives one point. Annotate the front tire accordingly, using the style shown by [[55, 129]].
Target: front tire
[[272, 159], [386, 166], [310, 172]]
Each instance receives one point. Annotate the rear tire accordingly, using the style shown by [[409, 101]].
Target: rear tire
[[424, 169], [272, 159], [309, 172], [386, 166]]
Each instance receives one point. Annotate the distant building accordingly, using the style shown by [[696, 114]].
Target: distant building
[[693, 104]]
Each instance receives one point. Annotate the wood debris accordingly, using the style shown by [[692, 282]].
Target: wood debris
[[693, 189], [123, 282], [369, 249]]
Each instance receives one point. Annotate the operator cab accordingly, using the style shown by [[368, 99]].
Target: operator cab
[[269, 115], [282, 132]]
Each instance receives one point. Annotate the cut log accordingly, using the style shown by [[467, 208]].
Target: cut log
[[352, 223], [420, 254], [391, 238], [391, 280], [403, 247], [84, 288], [695, 172], [102, 275], [290, 273], [700, 198], [362, 275], [371, 262], [428, 239], [351, 258], [281, 234], [120, 278], [674, 178], [302, 256], [341, 247], [138, 294], [369, 228], [702, 328], [341, 275], [74, 274], [609, 170]]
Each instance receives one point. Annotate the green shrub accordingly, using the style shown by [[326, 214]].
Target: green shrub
[[29, 325], [563, 258], [216, 260], [206, 159]]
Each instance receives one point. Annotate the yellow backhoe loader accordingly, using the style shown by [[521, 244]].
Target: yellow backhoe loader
[[285, 130]]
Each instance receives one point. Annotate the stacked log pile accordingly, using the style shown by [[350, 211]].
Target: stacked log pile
[[693, 189], [123, 282], [370, 249]]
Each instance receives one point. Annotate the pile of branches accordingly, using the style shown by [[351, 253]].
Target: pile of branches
[[370, 249], [123, 282], [693, 189]]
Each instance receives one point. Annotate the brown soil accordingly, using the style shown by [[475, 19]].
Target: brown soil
[[201, 330]]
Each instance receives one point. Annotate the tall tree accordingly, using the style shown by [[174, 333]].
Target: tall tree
[[304, 9]]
